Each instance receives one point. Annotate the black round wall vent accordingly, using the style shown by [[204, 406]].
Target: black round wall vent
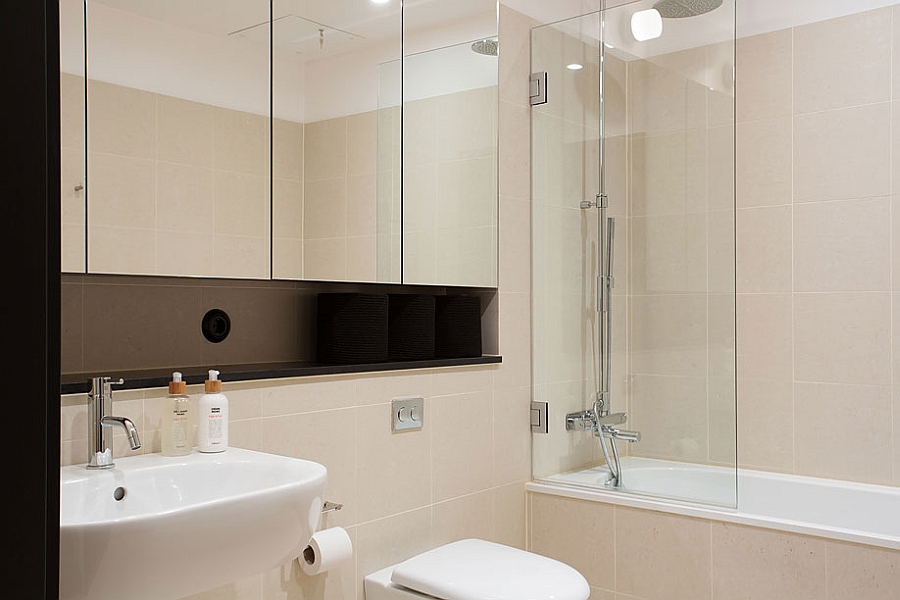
[[216, 325]]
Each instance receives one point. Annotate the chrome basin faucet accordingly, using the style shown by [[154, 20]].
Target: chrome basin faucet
[[101, 423]]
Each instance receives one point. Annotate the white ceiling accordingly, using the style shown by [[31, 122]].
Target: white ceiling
[[347, 24]]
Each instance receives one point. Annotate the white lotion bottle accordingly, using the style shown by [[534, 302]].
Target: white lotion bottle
[[212, 426], [176, 419]]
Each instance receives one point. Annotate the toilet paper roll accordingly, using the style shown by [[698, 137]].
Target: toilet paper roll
[[327, 549]]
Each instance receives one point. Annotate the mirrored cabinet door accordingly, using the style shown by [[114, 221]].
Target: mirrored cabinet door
[[450, 114], [72, 135], [178, 137], [336, 132]]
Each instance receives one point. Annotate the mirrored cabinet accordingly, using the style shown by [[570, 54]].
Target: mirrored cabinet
[[317, 140]]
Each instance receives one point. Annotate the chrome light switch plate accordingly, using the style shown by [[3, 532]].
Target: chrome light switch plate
[[407, 413]]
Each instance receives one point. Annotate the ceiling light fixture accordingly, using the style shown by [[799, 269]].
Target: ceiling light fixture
[[575, 67], [646, 25]]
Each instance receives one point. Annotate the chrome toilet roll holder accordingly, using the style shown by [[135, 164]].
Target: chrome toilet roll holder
[[331, 507]]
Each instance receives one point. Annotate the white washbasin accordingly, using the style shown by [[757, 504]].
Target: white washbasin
[[185, 524]]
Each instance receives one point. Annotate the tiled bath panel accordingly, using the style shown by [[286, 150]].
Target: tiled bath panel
[[640, 554]]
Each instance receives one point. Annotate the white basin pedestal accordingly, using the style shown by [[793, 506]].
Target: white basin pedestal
[[161, 528]]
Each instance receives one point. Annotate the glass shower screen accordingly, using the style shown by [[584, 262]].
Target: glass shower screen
[[633, 252]]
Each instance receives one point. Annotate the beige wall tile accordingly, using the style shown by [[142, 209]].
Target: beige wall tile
[[557, 522], [361, 205], [750, 562], [515, 62], [466, 193], [672, 415], [842, 153], [120, 250], [855, 571], [463, 518], [287, 258], [515, 148], [842, 246], [240, 142], [287, 150], [510, 516], [766, 425], [842, 338], [559, 450], [329, 438], [188, 254], [296, 396], [467, 124], [361, 258], [184, 131], [669, 335], [895, 59], [662, 557], [665, 177], [394, 469], [829, 445], [896, 421], [382, 388], [895, 146], [246, 589], [514, 340], [765, 336], [241, 256], [122, 191], [362, 140], [764, 75], [763, 246], [325, 149], [669, 254], [720, 172], [72, 115], [512, 449], [392, 540], [325, 209], [419, 132], [185, 198], [843, 62], [287, 204], [763, 163], [461, 433], [242, 204], [514, 245], [121, 120], [325, 259]]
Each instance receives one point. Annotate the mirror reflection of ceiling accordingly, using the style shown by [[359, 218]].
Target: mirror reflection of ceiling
[[311, 29]]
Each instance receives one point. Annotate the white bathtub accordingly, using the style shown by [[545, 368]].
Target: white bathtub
[[855, 512]]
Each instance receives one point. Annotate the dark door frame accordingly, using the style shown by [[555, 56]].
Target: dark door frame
[[30, 295]]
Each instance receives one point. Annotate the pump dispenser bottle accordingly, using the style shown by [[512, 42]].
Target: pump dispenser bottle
[[176, 427], [212, 429]]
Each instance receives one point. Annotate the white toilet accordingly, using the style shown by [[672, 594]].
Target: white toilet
[[477, 570]]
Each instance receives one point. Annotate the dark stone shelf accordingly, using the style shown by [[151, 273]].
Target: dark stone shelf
[[76, 383]]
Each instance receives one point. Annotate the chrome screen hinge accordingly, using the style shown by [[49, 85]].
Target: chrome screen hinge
[[539, 417], [599, 201], [538, 90]]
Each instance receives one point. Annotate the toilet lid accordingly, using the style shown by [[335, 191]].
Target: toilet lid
[[480, 570]]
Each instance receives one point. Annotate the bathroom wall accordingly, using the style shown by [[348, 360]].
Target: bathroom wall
[[462, 475], [818, 173]]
